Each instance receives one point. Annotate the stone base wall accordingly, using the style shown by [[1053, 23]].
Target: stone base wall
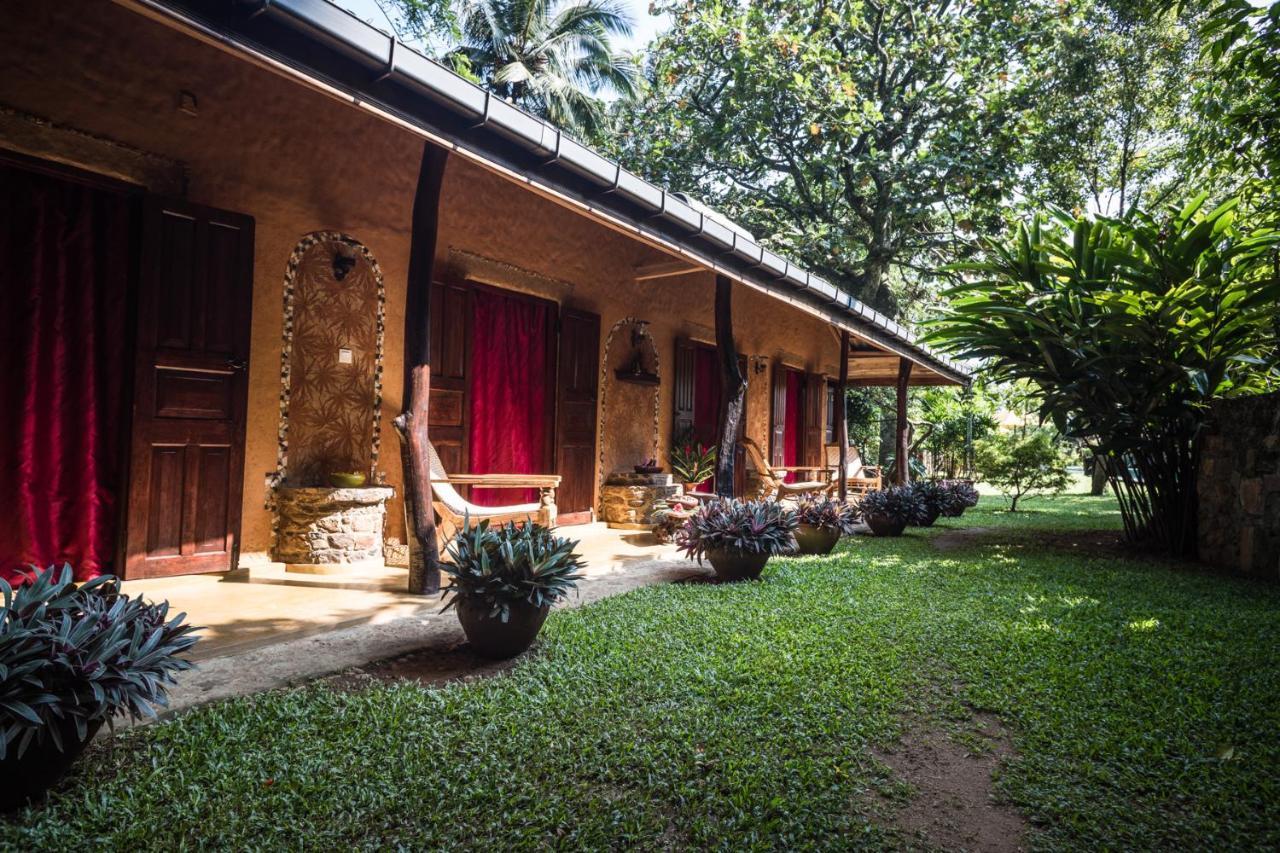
[[330, 527], [628, 500], [1239, 486]]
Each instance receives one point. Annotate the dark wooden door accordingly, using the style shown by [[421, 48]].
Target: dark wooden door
[[682, 389], [815, 417], [190, 386], [576, 415], [778, 421], [447, 410]]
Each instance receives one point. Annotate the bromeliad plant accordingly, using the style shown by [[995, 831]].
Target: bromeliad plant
[[1128, 329], [691, 461], [738, 527], [502, 566], [73, 657], [828, 515]]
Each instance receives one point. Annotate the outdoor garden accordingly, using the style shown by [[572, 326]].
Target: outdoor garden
[[1011, 639], [1137, 699]]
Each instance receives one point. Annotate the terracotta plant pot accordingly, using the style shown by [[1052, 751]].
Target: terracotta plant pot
[[884, 525], [27, 779], [493, 638], [735, 565], [816, 540]]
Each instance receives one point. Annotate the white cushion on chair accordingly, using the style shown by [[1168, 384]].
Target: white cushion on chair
[[448, 495]]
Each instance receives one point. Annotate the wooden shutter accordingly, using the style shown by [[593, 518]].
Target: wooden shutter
[[190, 391], [815, 411], [578, 383], [682, 390], [778, 430], [447, 411]]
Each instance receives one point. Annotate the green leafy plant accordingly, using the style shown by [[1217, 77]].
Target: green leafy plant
[[896, 503], [1127, 329], [745, 527], [1020, 466], [80, 655], [828, 515], [692, 461], [508, 564]]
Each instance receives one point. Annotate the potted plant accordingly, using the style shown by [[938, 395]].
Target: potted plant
[[960, 496], [821, 524], [71, 658], [691, 461], [933, 497], [738, 537], [503, 581], [889, 511]]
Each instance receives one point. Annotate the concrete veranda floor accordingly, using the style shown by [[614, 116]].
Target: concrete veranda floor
[[265, 628]]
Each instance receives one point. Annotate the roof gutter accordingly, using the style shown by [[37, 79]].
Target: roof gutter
[[331, 50]]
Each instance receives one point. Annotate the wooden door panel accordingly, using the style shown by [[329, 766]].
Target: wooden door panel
[[682, 392], [815, 410], [778, 419], [578, 387], [190, 389]]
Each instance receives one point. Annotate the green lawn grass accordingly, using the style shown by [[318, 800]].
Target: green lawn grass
[[1143, 701]]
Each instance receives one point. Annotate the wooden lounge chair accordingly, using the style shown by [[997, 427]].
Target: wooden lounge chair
[[862, 478], [452, 509], [774, 478]]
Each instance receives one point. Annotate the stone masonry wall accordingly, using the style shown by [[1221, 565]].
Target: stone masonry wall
[[1239, 487]]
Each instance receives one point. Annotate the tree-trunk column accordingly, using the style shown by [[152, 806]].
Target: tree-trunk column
[[424, 573], [733, 388], [902, 438], [842, 428]]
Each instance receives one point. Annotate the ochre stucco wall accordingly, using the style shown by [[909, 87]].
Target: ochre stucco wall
[[299, 162]]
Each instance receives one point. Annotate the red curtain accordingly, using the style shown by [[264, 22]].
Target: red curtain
[[64, 279], [508, 391], [794, 423]]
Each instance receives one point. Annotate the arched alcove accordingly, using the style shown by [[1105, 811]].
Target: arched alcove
[[628, 436], [331, 361]]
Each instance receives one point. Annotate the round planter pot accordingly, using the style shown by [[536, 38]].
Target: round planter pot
[[883, 525], [816, 540], [493, 638], [27, 779], [928, 519], [737, 566]]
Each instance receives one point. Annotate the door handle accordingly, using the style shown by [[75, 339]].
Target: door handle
[[237, 363]]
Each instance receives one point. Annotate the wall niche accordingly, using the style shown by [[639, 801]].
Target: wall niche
[[629, 386], [331, 362]]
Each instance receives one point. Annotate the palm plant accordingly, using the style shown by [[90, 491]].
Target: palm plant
[[1129, 328], [550, 57]]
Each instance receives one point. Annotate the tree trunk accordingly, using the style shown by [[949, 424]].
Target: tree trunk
[[424, 572], [902, 437], [1098, 484], [733, 389], [842, 425]]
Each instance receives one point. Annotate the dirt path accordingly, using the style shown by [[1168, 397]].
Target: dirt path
[[952, 805]]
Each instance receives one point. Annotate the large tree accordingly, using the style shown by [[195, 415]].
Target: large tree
[[868, 139], [554, 58], [1109, 106]]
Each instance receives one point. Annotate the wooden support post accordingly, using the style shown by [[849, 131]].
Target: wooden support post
[[841, 427], [424, 573], [733, 389], [901, 460]]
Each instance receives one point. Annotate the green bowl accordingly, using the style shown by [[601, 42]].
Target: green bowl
[[347, 479]]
